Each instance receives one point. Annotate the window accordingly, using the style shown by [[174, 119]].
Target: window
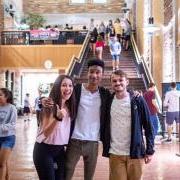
[[100, 1], [77, 1]]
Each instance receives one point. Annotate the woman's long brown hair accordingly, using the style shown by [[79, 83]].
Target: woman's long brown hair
[[56, 96]]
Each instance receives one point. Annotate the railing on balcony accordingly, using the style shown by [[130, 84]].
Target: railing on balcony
[[40, 37]]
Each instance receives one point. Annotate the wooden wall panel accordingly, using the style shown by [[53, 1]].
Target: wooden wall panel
[[139, 25], [178, 23], [35, 56]]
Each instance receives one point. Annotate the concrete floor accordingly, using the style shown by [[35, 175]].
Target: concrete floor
[[164, 166]]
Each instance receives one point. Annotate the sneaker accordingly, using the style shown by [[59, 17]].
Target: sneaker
[[157, 142], [168, 140], [163, 137]]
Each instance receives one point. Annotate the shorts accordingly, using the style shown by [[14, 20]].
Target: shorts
[[93, 39], [118, 36], [99, 48], [115, 57], [171, 116], [127, 37], [7, 142], [26, 110]]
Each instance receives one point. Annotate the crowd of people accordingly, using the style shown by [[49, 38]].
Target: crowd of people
[[115, 35], [74, 118]]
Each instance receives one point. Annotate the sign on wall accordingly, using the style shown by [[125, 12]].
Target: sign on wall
[[44, 35]]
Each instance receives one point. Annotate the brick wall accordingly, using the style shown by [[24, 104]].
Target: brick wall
[[63, 6]]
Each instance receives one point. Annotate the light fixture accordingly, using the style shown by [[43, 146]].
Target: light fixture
[[151, 27], [48, 64]]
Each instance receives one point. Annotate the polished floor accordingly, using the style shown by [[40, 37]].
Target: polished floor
[[164, 166]]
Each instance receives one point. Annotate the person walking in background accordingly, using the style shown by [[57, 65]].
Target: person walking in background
[[93, 39], [99, 46], [8, 117], [118, 29], [123, 142], [36, 106], [110, 30], [91, 25], [150, 98], [127, 34], [27, 110], [171, 101], [102, 30], [54, 130], [115, 50]]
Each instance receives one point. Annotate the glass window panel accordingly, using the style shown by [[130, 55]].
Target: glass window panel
[[77, 1], [100, 1]]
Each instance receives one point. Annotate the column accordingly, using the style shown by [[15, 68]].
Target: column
[[2, 78]]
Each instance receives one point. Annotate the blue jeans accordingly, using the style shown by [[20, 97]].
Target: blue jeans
[[155, 123], [7, 142]]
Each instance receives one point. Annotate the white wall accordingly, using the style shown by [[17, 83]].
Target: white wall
[[80, 18], [31, 82]]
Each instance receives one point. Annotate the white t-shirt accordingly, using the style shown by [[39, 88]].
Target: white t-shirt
[[115, 48], [87, 126], [120, 126], [172, 100]]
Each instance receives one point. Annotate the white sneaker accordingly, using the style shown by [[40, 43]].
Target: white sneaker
[[157, 142]]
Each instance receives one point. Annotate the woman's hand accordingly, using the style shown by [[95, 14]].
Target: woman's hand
[[47, 102], [61, 113]]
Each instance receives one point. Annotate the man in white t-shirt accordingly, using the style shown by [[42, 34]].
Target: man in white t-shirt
[[171, 101], [123, 141]]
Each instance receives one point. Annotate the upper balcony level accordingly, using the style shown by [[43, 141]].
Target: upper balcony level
[[30, 49], [42, 37]]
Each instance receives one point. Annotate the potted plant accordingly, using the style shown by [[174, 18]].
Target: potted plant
[[35, 21]]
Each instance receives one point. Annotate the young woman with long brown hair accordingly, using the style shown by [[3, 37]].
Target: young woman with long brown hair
[[54, 130]]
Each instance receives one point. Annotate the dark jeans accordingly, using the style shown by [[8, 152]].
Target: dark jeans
[[76, 149], [155, 120], [49, 161], [162, 123], [38, 117]]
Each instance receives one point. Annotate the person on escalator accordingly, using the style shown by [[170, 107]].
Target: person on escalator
[[115, 50]]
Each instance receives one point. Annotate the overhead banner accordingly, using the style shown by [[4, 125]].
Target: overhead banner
[[44, 35]]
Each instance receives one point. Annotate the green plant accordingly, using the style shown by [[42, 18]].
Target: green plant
[[35, 21]]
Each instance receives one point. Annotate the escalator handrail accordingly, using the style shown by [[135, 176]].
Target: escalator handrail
[[78, 60]]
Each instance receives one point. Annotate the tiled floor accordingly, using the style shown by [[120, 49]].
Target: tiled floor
[[164, 166]]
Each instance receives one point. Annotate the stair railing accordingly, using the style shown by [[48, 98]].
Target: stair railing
[[74, 68], [144, 71]]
